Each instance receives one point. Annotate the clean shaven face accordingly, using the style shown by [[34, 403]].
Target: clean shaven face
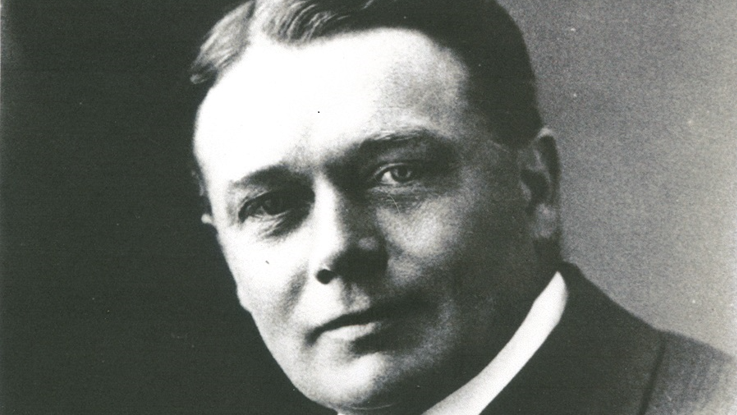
[[376, 233]]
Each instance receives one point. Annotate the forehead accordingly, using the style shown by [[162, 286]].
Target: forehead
[[314, 99]]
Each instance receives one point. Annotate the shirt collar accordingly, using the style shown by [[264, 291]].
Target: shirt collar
[[542, 318]]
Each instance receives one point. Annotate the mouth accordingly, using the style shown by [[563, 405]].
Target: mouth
[[373, 320]]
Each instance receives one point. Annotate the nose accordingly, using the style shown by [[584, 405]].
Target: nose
[[347, 243]]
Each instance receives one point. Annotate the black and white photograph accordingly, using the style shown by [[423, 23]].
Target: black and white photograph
[[368, 207]]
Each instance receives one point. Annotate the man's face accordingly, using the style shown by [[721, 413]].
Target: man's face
[[375, 232]]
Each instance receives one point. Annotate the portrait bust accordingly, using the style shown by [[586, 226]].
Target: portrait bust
[[398, 207], [385, 194]]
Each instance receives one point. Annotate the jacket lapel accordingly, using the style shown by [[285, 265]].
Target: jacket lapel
[[598, 360]]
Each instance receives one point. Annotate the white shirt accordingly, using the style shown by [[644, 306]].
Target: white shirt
[[542, 318], [540, 321]]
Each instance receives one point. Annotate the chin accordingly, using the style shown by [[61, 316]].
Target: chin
[[372, 384]]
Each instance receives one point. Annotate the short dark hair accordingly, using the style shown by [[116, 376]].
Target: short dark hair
[[479, 32]]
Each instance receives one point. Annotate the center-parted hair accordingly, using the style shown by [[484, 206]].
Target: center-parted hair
[[480, 32]]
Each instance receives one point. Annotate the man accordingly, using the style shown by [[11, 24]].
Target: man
[[385, 195]]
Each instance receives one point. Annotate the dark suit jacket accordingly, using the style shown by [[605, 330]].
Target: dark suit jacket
[[600, 359]]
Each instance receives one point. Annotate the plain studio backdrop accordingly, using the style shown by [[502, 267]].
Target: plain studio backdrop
[[115, 298]]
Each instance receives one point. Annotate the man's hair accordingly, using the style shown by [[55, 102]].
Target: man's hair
[[480, 32]]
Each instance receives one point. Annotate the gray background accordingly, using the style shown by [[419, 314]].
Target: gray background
[[642, 96]]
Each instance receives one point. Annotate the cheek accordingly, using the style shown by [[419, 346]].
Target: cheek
[[267, 276], [453, 226], [466, 239], [425, 233]]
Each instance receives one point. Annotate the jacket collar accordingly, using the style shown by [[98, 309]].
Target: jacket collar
[[599, 359]]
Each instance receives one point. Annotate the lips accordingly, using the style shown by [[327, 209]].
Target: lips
[[372, 319]]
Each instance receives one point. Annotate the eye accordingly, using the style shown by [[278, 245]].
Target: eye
[[273, 204], [398, 174]]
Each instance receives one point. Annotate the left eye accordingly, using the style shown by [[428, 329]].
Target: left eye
[[398, 174]]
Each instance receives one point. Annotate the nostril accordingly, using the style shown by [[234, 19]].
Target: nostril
[[325, 276], [354, 265]]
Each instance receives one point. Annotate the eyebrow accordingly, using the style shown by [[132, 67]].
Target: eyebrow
[[264, 177], [280, 173], [418, 135], [400, 136]]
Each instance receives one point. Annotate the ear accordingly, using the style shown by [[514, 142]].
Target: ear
[[539, 175]]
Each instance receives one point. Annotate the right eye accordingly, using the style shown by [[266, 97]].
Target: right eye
[[272, 205]]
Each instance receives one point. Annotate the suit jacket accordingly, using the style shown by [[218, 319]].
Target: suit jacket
[[600, 359]]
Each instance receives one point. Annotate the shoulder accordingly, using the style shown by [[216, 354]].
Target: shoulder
[[646, 370], [693, 378]]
